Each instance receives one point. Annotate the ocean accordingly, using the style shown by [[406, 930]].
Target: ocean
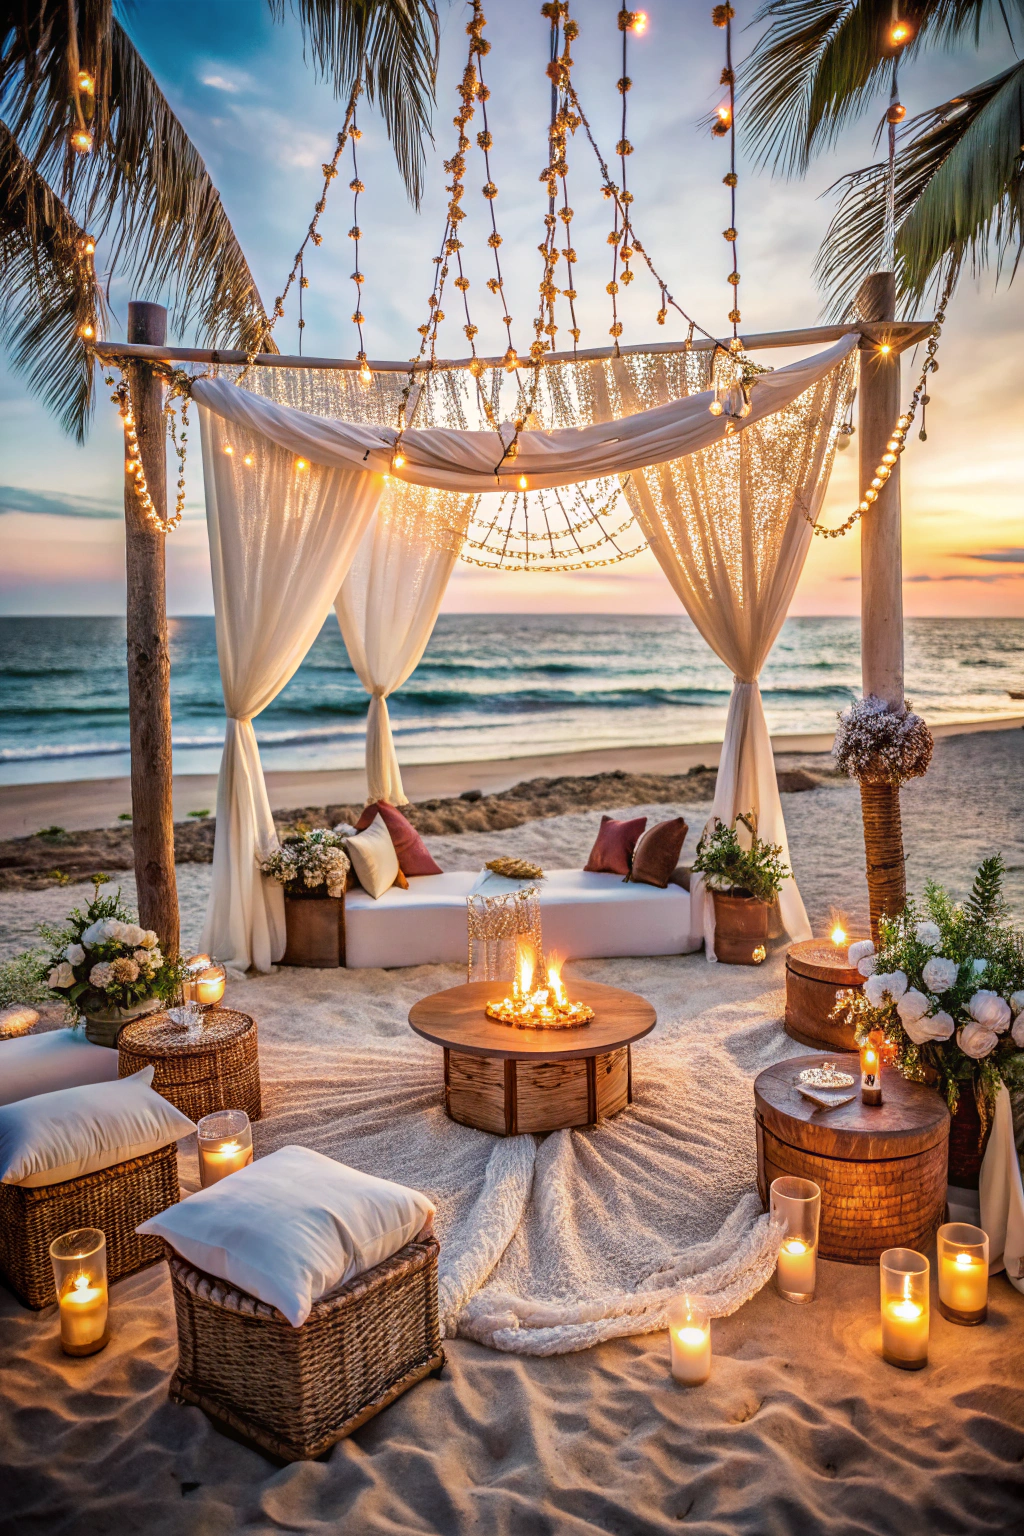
[[489, 686]]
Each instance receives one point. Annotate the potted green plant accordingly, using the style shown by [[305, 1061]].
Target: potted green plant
[[313, 868], [744, 883], [109, 969], [946, 989]]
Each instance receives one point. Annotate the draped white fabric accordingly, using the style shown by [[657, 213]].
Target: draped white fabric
[[281, 541], [1001, 1195], [730, 526], [387, 607], [450, 459]]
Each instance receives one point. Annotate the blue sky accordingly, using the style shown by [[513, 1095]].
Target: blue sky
[[264, 124]]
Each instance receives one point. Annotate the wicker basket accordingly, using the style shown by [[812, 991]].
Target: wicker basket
[[115, 1199], [219, 1070], [294, 1392]]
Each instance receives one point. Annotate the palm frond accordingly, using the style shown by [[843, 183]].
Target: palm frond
[[394, 45], [47, 290], [819, 64], [959, 197]]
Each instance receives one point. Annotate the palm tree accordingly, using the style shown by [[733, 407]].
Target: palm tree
[[90, 151], [959, 166]]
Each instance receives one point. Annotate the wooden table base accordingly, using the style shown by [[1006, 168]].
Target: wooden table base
[[816, 972], [509, 1097]]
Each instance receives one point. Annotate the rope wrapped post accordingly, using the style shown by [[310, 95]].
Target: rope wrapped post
[[149, 665], [883, 850]]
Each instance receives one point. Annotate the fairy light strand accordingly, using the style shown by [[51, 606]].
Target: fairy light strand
[[725, 123]]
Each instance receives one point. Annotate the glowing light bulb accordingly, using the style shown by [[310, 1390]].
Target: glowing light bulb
[[723, 113], [870, 495], [884, 348], [888, 458], [247, 461], [81, 140], [397, 461], [365, 375], [716, 407], [523, 483], [301, 464], [899, 33], [86, 83], [87, 246], [228, 449], [87, 331], [639, 22]]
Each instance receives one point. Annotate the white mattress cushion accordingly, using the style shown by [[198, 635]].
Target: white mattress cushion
[[58, 1136], [62, 1058], [292, 1226], [586, 916]]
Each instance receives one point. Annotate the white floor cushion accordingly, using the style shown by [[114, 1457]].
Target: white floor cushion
[[58, 1136], [62, 1058], [292, 1226], [585, 916]]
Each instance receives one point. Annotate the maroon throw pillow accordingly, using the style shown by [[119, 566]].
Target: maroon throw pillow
[[613, 850], [657, 853], [413, 854]]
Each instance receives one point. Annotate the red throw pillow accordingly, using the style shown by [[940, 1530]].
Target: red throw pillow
[[413, 854], [657, 853], [612, 853]]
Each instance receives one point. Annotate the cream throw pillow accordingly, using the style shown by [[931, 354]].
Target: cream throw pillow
[[62, 1058], [58, 1136], [374, 858], [293, 1226]]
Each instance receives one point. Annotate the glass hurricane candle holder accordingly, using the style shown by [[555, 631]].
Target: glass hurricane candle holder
[[204, 984], [962, 1252], [870, 1074], [689, 1336], [796, 1203], [225, 1144], [904, 1286], [79, 1262]]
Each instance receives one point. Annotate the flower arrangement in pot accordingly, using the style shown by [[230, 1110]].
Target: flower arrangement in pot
[[313, 868], [105, 966], [944, 991], [745, 884]]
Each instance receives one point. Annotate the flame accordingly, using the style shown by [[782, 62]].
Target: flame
[[839, 936], [526, 964], [639, 22], [81, 1282], [555, 986]]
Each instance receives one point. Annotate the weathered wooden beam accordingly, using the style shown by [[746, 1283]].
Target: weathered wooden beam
[[899, 334], [149, 665]]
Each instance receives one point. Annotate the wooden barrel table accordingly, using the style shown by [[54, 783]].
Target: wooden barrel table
[[816, 972], [881, 1171], [507, 1081]]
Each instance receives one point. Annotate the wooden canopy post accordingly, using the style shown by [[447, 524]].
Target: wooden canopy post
[[149, 666], [881, 592]]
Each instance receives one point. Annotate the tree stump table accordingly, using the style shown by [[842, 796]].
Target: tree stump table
[[215, 1067], [881, 1171], [508, 1081], [816, 972]]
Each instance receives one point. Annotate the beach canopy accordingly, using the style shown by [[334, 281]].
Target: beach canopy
[[309, 508]]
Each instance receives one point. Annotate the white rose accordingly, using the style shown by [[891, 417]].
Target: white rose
[[99, 976], [143, 957], [149, 940], [131, 935], [913, 1005], [94, 935], [929, 1026], [61, 976], [976, 1041], [74, 954], [1017, 1003], [1017, 1031], [928, 933], [885, 986], [991, 1010], [979, 966], [867, 965], [939, 974], [859, 949]]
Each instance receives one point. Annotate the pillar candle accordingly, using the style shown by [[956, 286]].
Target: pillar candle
[[904, 1287], [689, 1333], [963, 1272], [83, 1315], [797, 1266]]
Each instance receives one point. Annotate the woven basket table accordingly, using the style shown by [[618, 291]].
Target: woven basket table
[[114, 1199], [881, 1171], [816, 972], [218, 1070], [296, 1391]]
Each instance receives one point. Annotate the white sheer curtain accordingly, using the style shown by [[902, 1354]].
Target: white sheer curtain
[[387, 607], [282, 536], [730, 526]]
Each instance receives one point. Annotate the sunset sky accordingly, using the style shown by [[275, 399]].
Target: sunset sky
[[264, 125]]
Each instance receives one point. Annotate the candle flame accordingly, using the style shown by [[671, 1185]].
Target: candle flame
[[795, 1245], [964, 1260], [526, 964], [838, 936], [81, 1282], [555, 980]]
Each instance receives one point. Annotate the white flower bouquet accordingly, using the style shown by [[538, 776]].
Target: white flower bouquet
[[312, 863], [946, 991], [101, 958]]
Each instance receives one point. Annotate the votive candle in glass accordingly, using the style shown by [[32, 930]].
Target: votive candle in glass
[[689, 1335], [796, 1203], [225, 1144], [870, 1073], [205, 982], [904, 1286], [79, 1262], [963, 1273]]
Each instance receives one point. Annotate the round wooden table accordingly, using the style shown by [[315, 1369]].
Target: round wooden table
[[506, 1080], [216, 1068], [816, 972], [881, 1171]]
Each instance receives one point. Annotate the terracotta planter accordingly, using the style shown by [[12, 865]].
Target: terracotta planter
[[103, 1025], [966, 1144], [314, 931], [741, 929]]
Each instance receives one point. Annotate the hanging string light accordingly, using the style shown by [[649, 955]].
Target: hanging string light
[[485, 142], [618, 238], [365, 375], [121, 397], [725, 123]]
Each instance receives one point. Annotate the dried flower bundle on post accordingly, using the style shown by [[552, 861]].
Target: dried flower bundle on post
[[310, 864]]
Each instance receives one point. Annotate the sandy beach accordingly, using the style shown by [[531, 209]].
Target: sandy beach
[[802, 1426]]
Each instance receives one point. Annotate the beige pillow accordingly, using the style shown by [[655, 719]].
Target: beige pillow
[[374, 858], [62, 1058], [58, 1136]]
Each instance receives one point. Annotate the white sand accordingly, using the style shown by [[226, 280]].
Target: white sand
[[801, 1428]]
